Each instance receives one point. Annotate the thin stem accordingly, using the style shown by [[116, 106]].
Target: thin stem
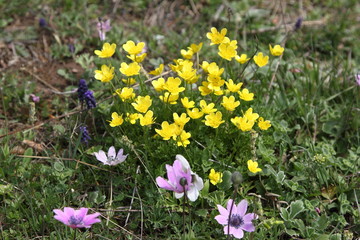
[[184, 211], [232, 205], [75, 230], [110, 201]]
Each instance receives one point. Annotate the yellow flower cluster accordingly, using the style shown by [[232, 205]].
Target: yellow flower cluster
[[212, 102], [227, 48]]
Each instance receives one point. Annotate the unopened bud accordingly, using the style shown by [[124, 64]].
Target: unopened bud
[[183, 181], [236, 178]]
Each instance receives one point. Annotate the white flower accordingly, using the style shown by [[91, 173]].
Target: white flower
[[111, 159], [197, 182]]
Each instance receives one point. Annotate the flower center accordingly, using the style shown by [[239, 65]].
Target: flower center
[[236, 221], [75, 221], [110, 159]]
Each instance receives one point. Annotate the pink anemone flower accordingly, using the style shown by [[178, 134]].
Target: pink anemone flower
[[239, 221], [181, 179], [76, 218]]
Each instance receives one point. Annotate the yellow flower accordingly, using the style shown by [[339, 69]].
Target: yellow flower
[[182, 139], [167, 130], [137, 58], [131, 48], [250, 115], [204, 90], [169, 98], [178, 64], [214, 119], [232, 87], [242, 59], [261, 60], [158, 70], [277, 50], [158, 84], [196, 48], [147, 119], [229, 103], [213, 69], [253, 166], [205, 108], [215, 82], [188, 73], [205, 66], [117, 120], [215, 177], [180, 120], [264, 125], [172, 85], [142, 104], [186, 103], [132, 117], [106, 51], [243, 123], [194, 113], [228, 50], [106, 74], [125, 93], [130, 70], [246, 95], [129, 81], [187, 54], [217, 37]]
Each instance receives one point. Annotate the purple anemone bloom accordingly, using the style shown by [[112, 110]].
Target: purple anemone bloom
[[112, 158], [239, 221], [103, 27], [76, 218], [181, 179]]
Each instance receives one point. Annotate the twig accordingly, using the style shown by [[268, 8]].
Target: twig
[[66, 159]]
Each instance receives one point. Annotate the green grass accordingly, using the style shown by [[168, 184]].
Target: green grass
[[309, 157]]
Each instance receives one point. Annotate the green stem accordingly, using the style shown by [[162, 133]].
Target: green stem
[[231, 208], [75, 230]]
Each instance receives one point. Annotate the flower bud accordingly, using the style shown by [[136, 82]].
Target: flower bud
[[236, 178], [183, 181]]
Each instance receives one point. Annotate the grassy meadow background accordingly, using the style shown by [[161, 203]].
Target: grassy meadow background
[[310, 157]]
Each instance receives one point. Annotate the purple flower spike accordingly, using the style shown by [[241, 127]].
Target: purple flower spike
[[42, 22], [85, 137], [239, 220], [89, 99], [111, 159], [181, 179], [82, 89], [76, 218], [103, 27]]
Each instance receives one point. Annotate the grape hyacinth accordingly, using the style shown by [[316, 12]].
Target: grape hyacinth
[[85, 137], [89, 99], [82, 89]]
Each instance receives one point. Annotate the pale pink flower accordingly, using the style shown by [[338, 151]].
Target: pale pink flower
[[112, 158], [181, 179], [239, 220], [76, 218], [103, 27]]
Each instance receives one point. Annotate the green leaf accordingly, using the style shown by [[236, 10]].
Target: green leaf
[[284, 214], [59, 128], [201, 212], [296, 208], [59, 166], [226, 181]]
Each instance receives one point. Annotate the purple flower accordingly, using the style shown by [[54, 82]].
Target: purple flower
[[111, 159], [89, 99], [76, 218], [82, 89], [298, 23], [103, 27], [85, 137], [357, 77], [239, 220], [181, 179], [42, 22], [34, 98], [71, 48]]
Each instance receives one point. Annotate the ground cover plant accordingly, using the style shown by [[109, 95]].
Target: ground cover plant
[[179, 120]]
